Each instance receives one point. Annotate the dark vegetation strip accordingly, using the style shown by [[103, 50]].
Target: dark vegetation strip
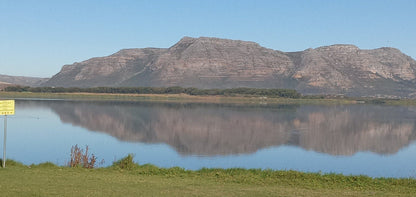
[[284, 93], [229, 95]]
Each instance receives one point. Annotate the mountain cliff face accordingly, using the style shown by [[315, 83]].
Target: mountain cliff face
[[221, 63]]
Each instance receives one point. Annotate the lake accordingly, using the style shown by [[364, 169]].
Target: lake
[[373, 140]]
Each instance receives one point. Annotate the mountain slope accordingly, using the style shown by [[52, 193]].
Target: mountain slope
[[221, 63], [105, 71], [23, 81], [345, 69]]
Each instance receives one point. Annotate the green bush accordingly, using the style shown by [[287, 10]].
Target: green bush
[[10, 162], [44, 165], [126, 163]]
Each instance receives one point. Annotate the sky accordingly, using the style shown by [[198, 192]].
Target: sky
[[38, 37]]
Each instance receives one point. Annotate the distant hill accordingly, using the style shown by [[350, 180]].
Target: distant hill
[[4, 85], [221, 63], [6, 80]]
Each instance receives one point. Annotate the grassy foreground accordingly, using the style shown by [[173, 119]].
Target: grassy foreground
[[147, 180]]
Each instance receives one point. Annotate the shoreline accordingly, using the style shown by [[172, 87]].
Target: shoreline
[[179, 98], [216, 99], [47, 179]]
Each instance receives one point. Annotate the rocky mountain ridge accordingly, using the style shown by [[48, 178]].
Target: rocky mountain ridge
[[221, 63]]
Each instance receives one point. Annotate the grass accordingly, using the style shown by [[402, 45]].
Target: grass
[[182, 98], [48, 179], [185, 98]]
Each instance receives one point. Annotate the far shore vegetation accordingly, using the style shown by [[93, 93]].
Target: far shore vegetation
[[127, 178], [285, 93], [180, 94]]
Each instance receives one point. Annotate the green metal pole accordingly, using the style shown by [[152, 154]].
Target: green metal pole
[[4, 144]]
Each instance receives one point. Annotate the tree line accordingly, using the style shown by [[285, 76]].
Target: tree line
[[286, 93]]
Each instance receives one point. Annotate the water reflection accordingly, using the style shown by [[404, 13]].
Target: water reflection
[[211, 129]]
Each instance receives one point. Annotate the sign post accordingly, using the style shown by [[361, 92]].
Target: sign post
[[4, 143], [6, 108]]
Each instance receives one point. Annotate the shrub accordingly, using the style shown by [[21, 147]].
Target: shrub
[[10, 162], [126, 163], [79, 158], [44, 165]]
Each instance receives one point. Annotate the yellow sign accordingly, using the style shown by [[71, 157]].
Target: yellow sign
[[6, 107]]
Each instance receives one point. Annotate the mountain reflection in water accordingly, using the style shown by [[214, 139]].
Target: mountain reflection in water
[[212, 129]]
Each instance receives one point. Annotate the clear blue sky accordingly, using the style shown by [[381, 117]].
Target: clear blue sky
[[37, 37]]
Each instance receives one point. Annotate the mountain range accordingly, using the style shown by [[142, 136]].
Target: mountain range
[[222, 63]]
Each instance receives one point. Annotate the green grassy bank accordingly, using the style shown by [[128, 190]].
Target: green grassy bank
[[147, 180], [183, 98]]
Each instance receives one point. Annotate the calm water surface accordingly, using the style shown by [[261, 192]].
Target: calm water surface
[[373, 140]]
